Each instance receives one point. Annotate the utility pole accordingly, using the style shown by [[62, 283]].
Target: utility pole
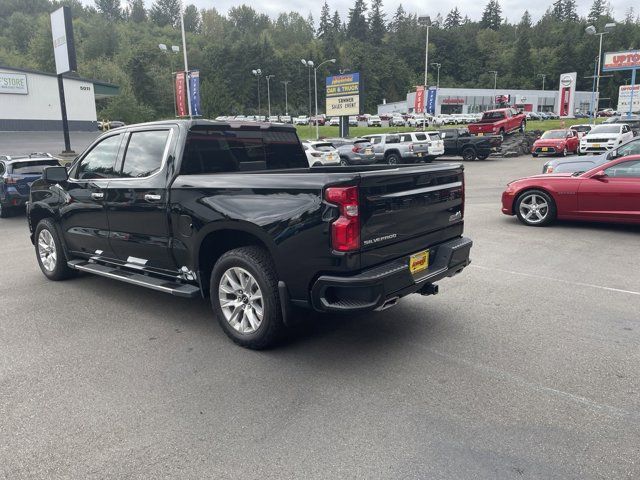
[[186, 64], [495, 85], [544, 76], [591, 30], [258, 73], [269, 77], [286, 102]]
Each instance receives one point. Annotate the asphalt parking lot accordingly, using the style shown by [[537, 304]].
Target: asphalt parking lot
[[524, 366]]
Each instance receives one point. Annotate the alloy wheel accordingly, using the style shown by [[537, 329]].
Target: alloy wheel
[[241, 300], [47, 250], [533, 208]]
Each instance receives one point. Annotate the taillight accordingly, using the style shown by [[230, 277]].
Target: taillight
[[345, 230], [355, 149]]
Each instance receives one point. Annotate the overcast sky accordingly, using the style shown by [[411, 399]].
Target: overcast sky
[[512, 9]]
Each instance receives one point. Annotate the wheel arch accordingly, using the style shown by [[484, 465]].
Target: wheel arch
[[528, 189], [216, 241]]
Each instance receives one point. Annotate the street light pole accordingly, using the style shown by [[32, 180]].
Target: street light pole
[[186, 64], [544, 76], [495, 85], [258, 73], [309, 65], [591, 30], [175, 49], [437, 65], [286, 102], [315, 84], [269, 77]]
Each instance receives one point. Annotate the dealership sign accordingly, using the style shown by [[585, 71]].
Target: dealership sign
[[567, 94], [628, 60], [64, 49], [418, 103], [343, 95], [13, 83], [627, 101]]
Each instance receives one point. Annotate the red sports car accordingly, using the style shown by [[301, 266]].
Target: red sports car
[[607, 193], [556, 142]]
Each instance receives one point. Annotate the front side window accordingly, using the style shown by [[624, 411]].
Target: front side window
[[101, 160], [144, 153], [405, 138], [631, 148], [624, 170]]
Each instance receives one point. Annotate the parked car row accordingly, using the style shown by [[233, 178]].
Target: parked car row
[[542, 115]]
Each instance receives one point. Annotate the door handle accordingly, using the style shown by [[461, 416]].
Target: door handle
[[97, 195], [150, 197]]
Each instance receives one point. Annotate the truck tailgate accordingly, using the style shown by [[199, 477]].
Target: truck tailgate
[[408, 208]]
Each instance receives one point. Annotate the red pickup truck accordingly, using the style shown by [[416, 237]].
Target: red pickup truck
[[499, 122]]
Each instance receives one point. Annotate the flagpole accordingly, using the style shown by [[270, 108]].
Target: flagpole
[[186, 64]]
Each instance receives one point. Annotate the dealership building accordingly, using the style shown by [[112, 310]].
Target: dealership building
[[475, 100], [29, 100]]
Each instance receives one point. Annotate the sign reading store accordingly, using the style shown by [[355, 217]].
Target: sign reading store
[[13, 83]]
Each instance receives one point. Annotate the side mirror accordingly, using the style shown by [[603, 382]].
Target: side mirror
[[599, 175], [612, 155], [55, 174]]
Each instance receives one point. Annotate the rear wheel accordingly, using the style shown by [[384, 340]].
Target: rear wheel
[[534, 155], [483, 156], [535, 208], [393, 159], [468, 154], [49, 252], [244, 297], [4, 211], [344, 162]]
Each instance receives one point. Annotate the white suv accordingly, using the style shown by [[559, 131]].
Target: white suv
[[605, 137], [321, 153], [301, 120], [433, 141]]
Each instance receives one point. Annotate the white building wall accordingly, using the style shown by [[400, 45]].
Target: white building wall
[[41, 106]]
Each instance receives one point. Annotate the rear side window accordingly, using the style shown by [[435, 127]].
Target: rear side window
[[405, 138], [32, 168], [144, 153], [101, 160], [420, 137], [393, 139], [434, 136], [216, 151]]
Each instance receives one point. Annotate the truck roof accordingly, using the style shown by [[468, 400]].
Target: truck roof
[[189, 123]]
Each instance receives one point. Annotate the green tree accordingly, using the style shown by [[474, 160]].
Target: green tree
[[453, 20], [570, 10], [165, 12], [325, 26], [137, 12], [492, 15], [377, 24], [191, 19], [357, 24], [20, 30], [110, 9], [598, 9]]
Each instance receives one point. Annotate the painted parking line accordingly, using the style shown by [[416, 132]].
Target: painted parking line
[[553, 279]]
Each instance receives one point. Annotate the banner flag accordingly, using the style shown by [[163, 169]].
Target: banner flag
[[181, 99], [194, 92], [418, 106], [431, 100]]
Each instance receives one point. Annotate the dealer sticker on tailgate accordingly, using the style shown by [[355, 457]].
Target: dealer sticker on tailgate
[[419, 261]]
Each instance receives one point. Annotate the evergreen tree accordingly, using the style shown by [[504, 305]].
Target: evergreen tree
[[110, 9], [558, 10], [398, 19], [325, 25], [521, 63], [311, 22], [453, 20], [137, 12], [570, 10], [377, 25], [357, 25], [191, 19], [336, 23], [492, 15], [526, 20], [597, 10], [165, 12]]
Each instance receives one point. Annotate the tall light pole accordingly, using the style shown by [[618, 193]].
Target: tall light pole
[[315, 85], [425, 21], [269, 77], [544, 76], [495, 85], [437, 66], [591, 30], [258, 73], [286, 102], [174, 49], [308, 64], [186, 64]]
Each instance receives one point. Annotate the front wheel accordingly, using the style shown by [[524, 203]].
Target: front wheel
[[535, 208], [468, 154], [49, 252], [483, 156], [564, 152], [244, 297]]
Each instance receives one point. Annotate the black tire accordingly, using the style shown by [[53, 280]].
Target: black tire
[[344, 162], [549, 214], [564, 152], [580, 153], [484, 156], [501, 132], [393, 159], [4, 211], [60, 270], [468, 154], [258, 263], [534, 155], [523, 127]]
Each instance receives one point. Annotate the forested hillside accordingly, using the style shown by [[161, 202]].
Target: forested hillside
[[118, 42]]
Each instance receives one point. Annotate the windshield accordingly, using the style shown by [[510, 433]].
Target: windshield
[[605, 129], [492, 115], [322, 147], [554, 134], [32, 168], [581, 128]]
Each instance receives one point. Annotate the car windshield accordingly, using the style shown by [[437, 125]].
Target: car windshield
[[554, 134], [605, 129], [492, 115], [581, 128], [322, 147], [32, 168]]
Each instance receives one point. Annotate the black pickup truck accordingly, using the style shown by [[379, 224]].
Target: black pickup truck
[[232, 211], [458, 141]]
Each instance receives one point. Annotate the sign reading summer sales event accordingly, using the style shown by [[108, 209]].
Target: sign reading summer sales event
[[343, 95]]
